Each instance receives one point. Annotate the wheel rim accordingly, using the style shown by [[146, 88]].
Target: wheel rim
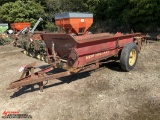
[[132, 57]]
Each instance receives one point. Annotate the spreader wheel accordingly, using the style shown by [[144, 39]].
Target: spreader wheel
[[129, 56]]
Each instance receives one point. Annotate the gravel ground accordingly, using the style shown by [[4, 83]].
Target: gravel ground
[[105, 94]]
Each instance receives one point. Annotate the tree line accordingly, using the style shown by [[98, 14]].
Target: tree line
[[109, 15]]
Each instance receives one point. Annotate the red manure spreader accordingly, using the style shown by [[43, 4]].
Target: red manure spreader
[[77, 50]]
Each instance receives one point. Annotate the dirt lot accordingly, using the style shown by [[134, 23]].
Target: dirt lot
[[105, 94]]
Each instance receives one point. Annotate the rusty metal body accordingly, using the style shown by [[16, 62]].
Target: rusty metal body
[[75, 53], [79, 51], [29, 77]]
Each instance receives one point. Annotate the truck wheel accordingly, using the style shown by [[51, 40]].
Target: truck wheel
[[129, 56]]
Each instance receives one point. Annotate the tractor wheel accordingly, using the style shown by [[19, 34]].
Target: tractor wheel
[[129, 56]]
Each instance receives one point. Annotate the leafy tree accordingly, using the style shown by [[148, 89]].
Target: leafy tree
[[5, 1], [59, 6], [91, 5], [21, 11], [144, 14], [51, 27], [109, 15], [124, 15]]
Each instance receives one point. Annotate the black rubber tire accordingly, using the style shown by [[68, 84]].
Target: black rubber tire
[[124, 58]]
